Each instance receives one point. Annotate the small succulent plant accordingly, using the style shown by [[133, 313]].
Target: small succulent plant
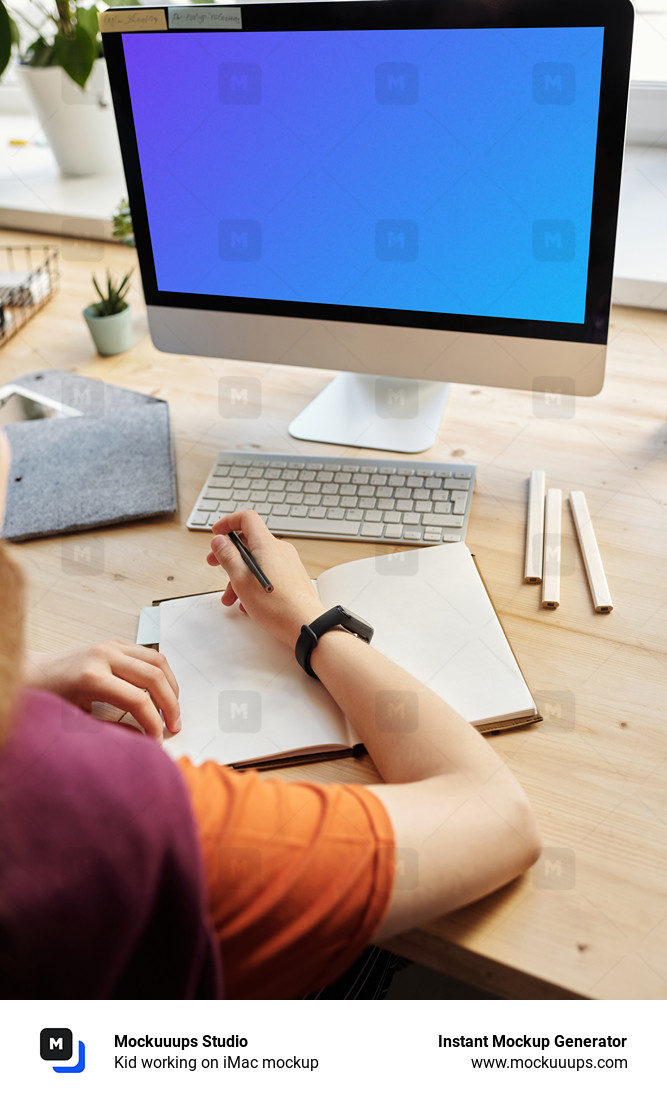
[[112, 300]]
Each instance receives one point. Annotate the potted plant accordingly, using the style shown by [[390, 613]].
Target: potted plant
[[123, 230], [65, 75], [109, 318]]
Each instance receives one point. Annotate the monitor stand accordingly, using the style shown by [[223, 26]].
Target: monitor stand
[[367, 410]]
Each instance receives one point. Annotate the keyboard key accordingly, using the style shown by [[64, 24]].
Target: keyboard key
[[293, 498], [217, 494], [372, 530], [432, 534], [317, 513], [455, 483], [276, 498], [329, 528], [411, 518], [421, 494], [280, 510], [202, 517], [459, 508], [298, 513], [442, 508], [445, 521], [307, 475], [311, 498], [423, 506], [354, 513], [338, 513], [396, 480], [393, 531], [330, 501], [412, 535], [366, 490], [373, 517]]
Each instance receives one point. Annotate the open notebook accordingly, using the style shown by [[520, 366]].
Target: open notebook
[[246, 702]]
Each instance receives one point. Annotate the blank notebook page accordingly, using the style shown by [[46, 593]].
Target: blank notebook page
[[433, 617], [242, 694]]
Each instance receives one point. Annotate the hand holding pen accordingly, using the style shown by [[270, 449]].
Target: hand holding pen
[[252, 564], [292, 600]]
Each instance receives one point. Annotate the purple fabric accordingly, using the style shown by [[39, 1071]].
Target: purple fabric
[[101, 884]]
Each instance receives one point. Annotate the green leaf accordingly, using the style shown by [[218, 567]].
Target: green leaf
[[14, 33], [5, 38], [39, 55], [76, 54], [87, 18]]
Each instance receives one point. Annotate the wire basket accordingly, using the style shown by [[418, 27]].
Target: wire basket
[[29, 277]]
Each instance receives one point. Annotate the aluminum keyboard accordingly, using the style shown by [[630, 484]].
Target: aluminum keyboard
[[367, 500]]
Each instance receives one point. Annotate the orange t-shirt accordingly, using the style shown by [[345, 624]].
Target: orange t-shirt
[[299, 876]]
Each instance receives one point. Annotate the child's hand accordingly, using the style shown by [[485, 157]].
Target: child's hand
[[293, 601], [130, 677]]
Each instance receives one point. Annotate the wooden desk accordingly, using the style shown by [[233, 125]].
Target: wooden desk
[[591, 919]]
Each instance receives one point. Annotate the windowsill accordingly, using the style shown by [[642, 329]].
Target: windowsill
[[36, 197]]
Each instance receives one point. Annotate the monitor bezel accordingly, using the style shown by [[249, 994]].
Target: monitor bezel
[[616, 17]]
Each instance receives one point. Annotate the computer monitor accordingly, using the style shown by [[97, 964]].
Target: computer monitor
[[397, 190]]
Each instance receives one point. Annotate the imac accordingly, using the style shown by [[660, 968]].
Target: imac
[[407, 192]]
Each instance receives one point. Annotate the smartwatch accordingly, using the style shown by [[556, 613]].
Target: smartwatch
[[310, 635]]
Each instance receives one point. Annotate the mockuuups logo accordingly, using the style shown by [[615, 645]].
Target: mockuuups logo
[[56, 1044]]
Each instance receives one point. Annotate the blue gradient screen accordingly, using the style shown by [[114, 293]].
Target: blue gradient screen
[[444, 171]]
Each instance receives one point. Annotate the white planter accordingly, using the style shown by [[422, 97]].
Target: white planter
[[111, 334], [79, 123]]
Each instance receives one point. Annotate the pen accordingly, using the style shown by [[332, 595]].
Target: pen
[[535, 528], [597, 580], [250, 562], [551, 571]]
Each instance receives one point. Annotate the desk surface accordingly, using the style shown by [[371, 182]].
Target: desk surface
[[590, 920]]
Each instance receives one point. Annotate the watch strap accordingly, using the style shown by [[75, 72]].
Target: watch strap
[[311, 634]]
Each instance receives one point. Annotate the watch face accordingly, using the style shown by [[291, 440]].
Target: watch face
[[356, 624]]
